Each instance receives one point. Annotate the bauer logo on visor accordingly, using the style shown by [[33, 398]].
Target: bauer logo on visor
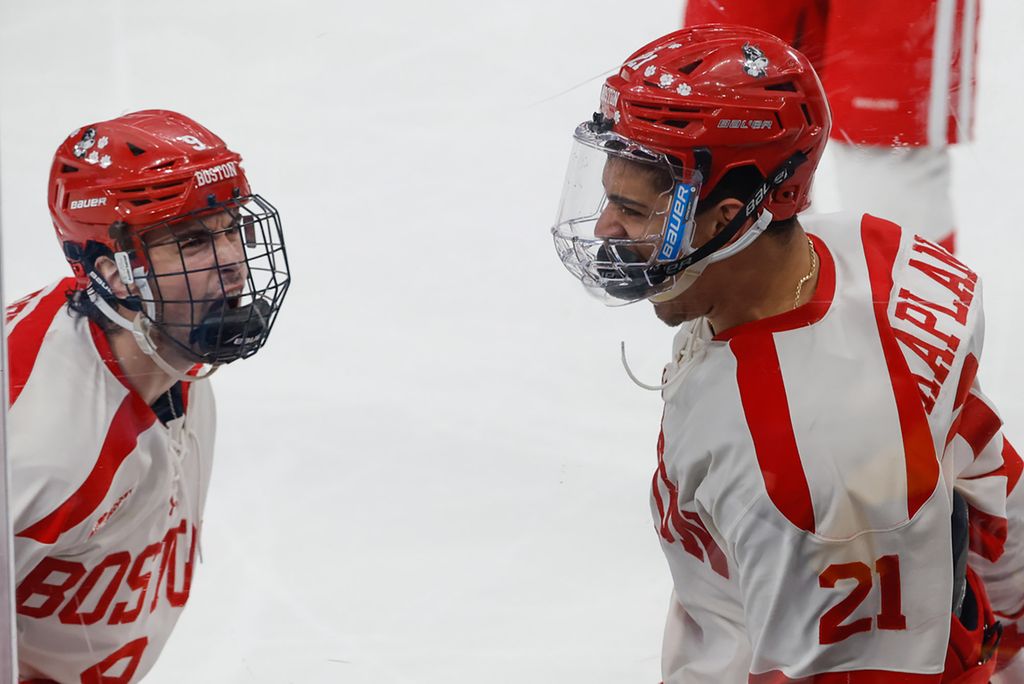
[[678, 217]]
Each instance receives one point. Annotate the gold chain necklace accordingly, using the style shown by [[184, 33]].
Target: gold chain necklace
[[810, 273], [170, 402]]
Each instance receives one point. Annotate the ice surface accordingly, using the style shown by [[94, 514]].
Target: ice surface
[[436, 471]]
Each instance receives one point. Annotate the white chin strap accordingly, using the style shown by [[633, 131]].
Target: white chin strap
[[685, 278], [142, 330]]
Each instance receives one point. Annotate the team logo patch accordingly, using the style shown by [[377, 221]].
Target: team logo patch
[[755, 64], [88, 141], [216, 174], [682, 201]]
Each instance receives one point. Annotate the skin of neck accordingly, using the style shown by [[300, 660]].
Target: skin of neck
[[144, 376], [758, 282]]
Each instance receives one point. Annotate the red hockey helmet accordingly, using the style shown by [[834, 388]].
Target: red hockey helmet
[[137, 170], [741, 94], [157, 180], [684, 111]]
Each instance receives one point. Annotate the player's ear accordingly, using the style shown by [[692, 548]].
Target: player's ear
[[724, 212], [107, 270]]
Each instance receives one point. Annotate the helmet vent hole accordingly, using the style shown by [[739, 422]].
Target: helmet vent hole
[[140, 202], [689, 68], [135, 149], [172, 184], [677, 123], [67, 168], [807, 114], [787, 86], [157, 167]]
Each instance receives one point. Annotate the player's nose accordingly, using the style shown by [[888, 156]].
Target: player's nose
[[608, 225], [231, 255]]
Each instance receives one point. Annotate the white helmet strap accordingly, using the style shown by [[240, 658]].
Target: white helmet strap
[[686, 278], [141, 328]]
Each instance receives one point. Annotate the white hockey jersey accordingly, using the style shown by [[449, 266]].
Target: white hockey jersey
[[106, 499], [806, 469]]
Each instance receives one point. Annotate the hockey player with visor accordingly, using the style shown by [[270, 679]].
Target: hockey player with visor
[[833, 492]]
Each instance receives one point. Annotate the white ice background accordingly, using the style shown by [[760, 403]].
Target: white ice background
[[437, 470]]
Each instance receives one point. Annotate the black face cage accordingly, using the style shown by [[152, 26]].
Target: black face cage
[[248, 264]]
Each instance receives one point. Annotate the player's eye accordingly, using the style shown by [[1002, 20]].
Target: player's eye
[[630, 211], [194, 240]]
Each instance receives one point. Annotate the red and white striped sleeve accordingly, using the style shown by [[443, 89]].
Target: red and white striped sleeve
[[989, 471]]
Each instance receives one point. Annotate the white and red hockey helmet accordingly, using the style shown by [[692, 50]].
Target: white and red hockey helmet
[[692, 106], [114, 182]]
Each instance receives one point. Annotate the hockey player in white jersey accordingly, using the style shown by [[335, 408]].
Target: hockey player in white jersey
[[178, 268], [833, 493]]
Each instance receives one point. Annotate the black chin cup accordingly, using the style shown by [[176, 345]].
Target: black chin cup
[[227, 334], [631, 279]]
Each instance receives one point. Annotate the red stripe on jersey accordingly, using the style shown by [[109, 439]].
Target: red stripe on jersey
[[978, 424], [967, 376], [26, 338], [881, 240], [855, 677], [963, 388], [1013, 465], [802, 316], [99, 340], [1011, 468], [763, 395], [133, 418], [987, 533]]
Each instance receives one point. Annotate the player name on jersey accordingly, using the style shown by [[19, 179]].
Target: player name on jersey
[[933, 330]]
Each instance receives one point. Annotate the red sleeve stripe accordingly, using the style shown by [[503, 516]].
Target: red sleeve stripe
[[881, 241], [663, 529], [855, 677], [133, 418], [978, 424], [763, 395], [963, 388], [987, 533], [1013, 465], [967, 376], [25, 340], [1011, 468]]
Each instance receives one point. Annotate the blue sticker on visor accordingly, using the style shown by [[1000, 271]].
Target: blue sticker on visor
[[678, 217]]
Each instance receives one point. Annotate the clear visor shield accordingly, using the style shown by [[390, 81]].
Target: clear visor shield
[[626, 217]]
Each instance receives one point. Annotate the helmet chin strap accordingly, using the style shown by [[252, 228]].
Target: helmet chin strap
[[686, 278], [142, 329]]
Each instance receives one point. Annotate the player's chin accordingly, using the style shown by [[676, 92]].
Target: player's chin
[[671, 314]]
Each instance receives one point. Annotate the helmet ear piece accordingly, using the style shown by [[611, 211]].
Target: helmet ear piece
[[90, 261]]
